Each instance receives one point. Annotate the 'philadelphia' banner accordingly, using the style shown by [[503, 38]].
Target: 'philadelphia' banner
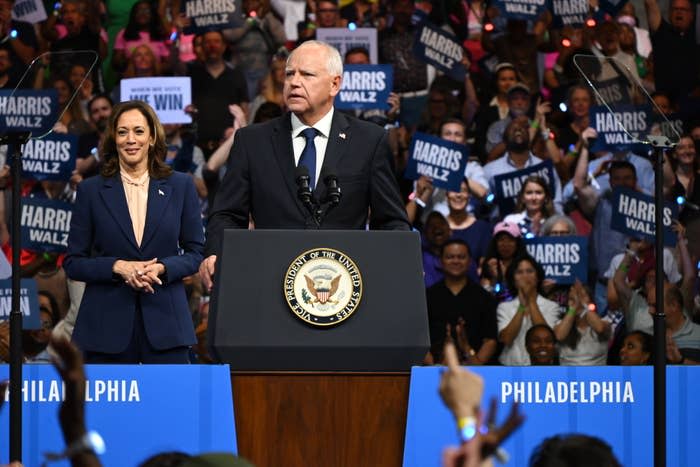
[[50, 158], [45, 224], [440, 49], [28, 303], [168, 95], [612, 136], [568, 12], [614, 403], [441, 160], [28, 110], [139, 410], [211, 15], [521, 9], [507, 186], [634, 214], [345, 39], [365, 87], [564, 259]]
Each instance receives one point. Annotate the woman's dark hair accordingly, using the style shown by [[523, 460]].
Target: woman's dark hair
[[647, 341], [155, 27], [157, 168], [573, 451], [547, 207], [54, 312], [535, 328], [492, 252], [510, 273]]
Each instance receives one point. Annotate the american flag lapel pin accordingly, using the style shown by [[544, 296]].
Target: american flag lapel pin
[[342, 135]]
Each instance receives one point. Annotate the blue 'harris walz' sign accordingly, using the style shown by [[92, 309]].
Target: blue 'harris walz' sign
[[365, 87], [441, 160], [50, 158], [622, 130], [28, 110], [564, 259], [440, 49], [634, 214]]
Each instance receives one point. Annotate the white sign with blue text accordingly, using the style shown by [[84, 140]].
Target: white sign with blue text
[[345, 39], [168, 95], [29, 11]]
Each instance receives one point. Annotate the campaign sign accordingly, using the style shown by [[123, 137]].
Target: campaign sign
[[28, 302], [568, 12], [29, 11], [440, 49], [168, 95], [670, 125], [611, 128], [559, 400], [441, 160], [611, 7], [564, 259], [508, 185], [45, 224], [50, 158], [28, 110], [345, 39], [521, 9], [139, 410], [365, 87], [613, 91], [634, 214], [211, 15]]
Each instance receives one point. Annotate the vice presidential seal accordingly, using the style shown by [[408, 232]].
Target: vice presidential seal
[[323, 287]]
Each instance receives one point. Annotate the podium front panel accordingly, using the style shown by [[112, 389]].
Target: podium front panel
[[251, 326]]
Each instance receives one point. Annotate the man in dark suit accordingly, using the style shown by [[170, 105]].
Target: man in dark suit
[[261, 183]]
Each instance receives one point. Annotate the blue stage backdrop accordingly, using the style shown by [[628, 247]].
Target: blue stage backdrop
[[613, 403], [139, 410]]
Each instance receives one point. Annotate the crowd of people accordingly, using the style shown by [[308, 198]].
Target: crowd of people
[[522, 102]]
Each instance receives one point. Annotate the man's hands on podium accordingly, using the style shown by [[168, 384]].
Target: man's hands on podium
[[206, 272]]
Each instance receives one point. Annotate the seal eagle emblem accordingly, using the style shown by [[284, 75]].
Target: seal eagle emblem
[[323, 287]]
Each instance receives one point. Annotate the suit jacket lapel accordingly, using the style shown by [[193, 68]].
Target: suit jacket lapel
[[159, 192], [338, 140], [284, 154], [114, 199]]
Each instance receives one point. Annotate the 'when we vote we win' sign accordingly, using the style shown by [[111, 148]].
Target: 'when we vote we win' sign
[[169, 96]]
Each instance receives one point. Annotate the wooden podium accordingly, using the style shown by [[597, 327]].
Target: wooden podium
[[310, 419], [319, 396]]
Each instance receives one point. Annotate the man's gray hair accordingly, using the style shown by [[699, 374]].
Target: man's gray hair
[[335, 61]]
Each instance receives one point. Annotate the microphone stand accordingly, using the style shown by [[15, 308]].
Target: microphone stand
[[17, 139], [332, 198]]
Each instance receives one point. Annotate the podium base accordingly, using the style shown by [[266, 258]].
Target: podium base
[[320, 419]]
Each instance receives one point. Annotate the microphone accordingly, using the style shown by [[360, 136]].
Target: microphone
[[333, 194], [303, 180]]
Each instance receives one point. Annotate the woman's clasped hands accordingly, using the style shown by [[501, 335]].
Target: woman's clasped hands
[[140, 275]]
